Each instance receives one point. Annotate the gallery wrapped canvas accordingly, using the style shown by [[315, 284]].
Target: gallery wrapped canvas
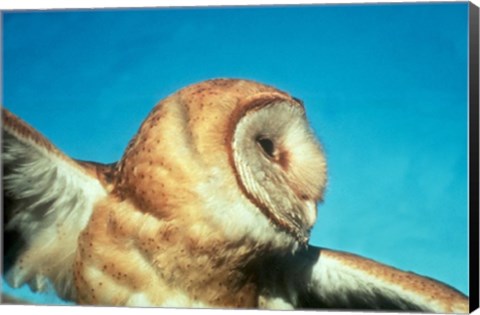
[[257, 157]]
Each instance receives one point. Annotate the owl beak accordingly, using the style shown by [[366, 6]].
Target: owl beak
[[310, 212]]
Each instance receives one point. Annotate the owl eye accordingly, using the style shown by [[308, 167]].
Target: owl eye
[[267, 146]]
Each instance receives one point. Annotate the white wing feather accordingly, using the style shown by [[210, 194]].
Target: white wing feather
[[49, 200], [325, 279]]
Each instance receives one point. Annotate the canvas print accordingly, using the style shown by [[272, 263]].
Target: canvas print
[[276, 157]]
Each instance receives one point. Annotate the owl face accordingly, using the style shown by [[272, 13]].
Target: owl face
[[277, 161], [236, 155]]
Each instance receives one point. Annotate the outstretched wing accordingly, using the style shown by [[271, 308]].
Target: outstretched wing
[[322, 278], [48, 199]]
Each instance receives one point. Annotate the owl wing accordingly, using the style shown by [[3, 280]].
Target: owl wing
[[48, 200], [323, 278]]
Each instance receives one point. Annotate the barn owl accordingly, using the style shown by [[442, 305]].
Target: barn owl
[[210, 206]]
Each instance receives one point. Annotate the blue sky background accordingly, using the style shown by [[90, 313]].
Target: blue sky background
[[385, 89]]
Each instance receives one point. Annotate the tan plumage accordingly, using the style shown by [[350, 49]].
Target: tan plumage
[[210, 206]]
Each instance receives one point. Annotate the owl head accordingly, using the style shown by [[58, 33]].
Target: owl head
[[236, 154]]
